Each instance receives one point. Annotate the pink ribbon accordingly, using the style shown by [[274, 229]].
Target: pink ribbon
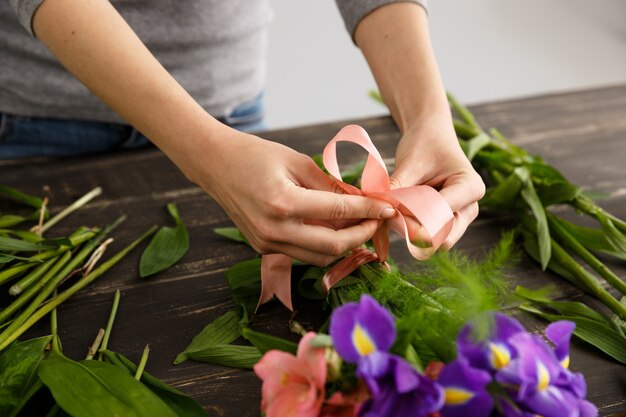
[[421, 203]]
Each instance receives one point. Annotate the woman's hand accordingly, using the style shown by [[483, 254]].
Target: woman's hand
[[429, 153], [275, 194]]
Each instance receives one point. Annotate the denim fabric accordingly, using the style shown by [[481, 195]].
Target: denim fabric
[[24, 137]]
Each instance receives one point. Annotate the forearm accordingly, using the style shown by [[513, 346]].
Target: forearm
[[396, 44], [96, 45]]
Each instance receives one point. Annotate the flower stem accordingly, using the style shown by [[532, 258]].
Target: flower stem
[[107, 332], [569, 241], [142, 362], [10, 334], [95, 346], [71, 208]]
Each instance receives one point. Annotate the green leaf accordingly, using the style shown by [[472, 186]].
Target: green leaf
[[557, 192], [591, 331], [613, 235], [543, 231], [10, 220], [472, 146], [18, 370], [593, 239], [98, 389], [231, 233], [166, 248], [221, 331], [504, 195], [265, 342], [234, 356], [180, 403], [9, 244], [19, 196]]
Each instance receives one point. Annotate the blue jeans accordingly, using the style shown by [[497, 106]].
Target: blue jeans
[[24, 137]]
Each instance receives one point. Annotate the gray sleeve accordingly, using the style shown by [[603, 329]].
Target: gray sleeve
[[25, 10], [353, 11]]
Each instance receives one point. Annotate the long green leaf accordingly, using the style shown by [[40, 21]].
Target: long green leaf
[[231, 233], [9, 244], [19, 196], [166, 248], [602, 337], [474, 145], [180, 403], [98, 389], [265, 342], [18, 370], [543, 231], [593, 239], [234, 356], [221, 331]]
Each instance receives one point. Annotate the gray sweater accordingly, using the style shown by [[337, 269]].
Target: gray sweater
[[214, 48]]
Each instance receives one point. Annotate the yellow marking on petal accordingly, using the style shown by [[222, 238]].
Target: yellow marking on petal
[[457, 396], [544, 377], [362, 341], [500, 356], [565, 362], [284, 379]]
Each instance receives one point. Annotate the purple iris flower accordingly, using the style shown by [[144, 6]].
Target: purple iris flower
[[396, 388], [360, 329], [494, 352], [540, 384], [560, 334], [465, 390]]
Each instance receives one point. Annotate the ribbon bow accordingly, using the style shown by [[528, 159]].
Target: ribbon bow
[[421, 203]]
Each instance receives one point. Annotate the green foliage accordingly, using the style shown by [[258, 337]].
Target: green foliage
[[166, 248]]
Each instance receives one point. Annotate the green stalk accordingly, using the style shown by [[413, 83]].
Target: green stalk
[[587, 280], [77, 238], [33, 277], [34, 290], [6, 340], [53, 411], [71, 208], [107, 332], [54, 329], [462, 111], [52, 284], [569, 241], [586, 205], [142, 362]]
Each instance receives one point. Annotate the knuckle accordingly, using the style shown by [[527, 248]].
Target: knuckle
[[340, 208], [280, 207], [478, 187], [335, 248]]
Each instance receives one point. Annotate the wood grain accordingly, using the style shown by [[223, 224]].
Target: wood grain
[[581, 133]]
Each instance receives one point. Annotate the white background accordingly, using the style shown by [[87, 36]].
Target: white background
[[487, 50]]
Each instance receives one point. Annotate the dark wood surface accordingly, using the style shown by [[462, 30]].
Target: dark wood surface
[[581, 133]]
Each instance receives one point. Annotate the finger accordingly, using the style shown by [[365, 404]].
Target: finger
[[462, 190], [303, 255], [463, 218], [314, 204], [327, 241]]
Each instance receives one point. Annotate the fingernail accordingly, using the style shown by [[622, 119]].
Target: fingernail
[[387, 213]]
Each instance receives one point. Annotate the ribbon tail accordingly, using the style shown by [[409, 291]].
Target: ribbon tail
[[276, 279], [343, 268], [381, 242]]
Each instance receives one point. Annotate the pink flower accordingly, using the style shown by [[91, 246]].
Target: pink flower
[[345, 405], [293, 385]]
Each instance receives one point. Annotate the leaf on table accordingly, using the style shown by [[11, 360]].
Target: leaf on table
[[166, 248], [18, 370], [221, 331], [603, 337], [98, 389], [593, 239], [9, 244], [557, 192], [231, 233], [234, 356], [20, 197], [503, 195], [613, 235], [181, 404], [265, 342]]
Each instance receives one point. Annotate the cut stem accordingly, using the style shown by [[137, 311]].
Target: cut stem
[[95, 346], [71, 208], [107, 333], [10, 334], [142, 362]]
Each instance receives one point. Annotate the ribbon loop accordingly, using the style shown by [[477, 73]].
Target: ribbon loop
[[420, 203]]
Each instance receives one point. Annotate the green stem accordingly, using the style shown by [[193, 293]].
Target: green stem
[[33, 277], [53, 411], [34, 290], [569, 241], [587, 281], [464, 113], [80, 236], [107, 332], [71, 208], [142, 362], [7, 337], [54, 329]]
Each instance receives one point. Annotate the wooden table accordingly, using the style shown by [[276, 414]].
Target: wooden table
[[581, 133]]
